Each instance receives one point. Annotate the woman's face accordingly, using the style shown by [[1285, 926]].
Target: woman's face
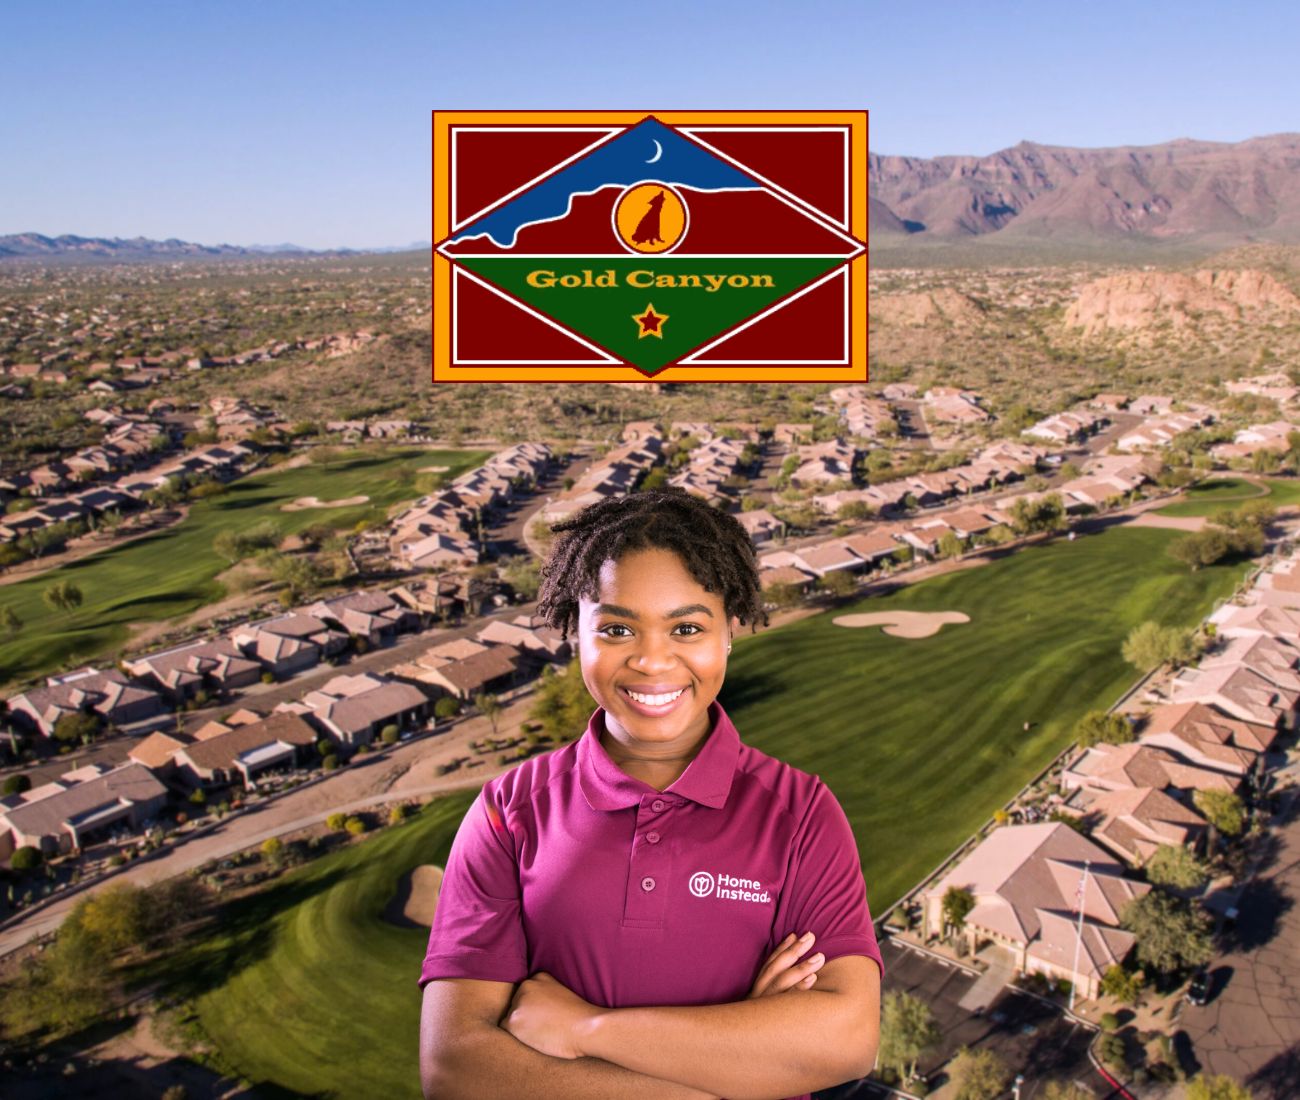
[[653, 649]]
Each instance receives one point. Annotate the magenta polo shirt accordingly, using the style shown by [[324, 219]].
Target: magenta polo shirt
[[631, 896]]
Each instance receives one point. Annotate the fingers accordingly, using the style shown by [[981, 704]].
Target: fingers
[[784, 970]]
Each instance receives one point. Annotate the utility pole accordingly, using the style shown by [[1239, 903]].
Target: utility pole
[[1078, 940]]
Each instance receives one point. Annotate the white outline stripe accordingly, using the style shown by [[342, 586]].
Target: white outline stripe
[[843, 131], [461, 257], [792, 198], [694, 357], [457, 361]]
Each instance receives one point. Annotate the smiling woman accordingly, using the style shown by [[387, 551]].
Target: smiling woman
[[621, 916]]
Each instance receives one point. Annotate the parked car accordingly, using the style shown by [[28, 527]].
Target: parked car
[[1199, 987]]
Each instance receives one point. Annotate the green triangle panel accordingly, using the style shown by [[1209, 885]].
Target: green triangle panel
[[701, 297]]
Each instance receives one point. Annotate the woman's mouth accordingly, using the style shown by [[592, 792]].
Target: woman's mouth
[[653, 704]]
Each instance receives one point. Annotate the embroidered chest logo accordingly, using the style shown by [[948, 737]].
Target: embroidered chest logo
[[705, 885]]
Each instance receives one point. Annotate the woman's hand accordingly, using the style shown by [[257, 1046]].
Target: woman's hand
[[784, 970], [548, 1016]]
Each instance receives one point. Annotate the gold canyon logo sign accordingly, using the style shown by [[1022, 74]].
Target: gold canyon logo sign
[[621, 246]]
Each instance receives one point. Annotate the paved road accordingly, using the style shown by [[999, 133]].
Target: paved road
[[1250, 1028]]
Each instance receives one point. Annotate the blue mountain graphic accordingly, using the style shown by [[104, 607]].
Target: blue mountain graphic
[[624, 160]]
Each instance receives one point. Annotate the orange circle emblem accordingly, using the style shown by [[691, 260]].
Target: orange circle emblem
[[650, 218]]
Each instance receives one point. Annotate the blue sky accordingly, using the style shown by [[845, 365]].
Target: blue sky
[[256, 123]]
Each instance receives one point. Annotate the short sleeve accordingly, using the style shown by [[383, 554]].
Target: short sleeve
[[477, 926], [825, 892]]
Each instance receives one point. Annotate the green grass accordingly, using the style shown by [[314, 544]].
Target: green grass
[[1210, 496], [171, 573], [306, 987], [922, 739]]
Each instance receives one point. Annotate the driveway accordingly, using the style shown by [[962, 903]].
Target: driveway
[[1250, 1027]]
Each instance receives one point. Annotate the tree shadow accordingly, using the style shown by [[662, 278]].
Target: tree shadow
[[1185, 1054], [1276, 1079], [237, 935], [1260, 910]]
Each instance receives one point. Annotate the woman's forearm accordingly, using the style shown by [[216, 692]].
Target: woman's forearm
[[489, 1063], [746, 1050]]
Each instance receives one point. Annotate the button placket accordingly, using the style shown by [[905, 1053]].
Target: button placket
[[649, 863]]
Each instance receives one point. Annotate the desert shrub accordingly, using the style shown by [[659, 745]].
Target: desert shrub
[[355, 825], [330, 762], [336, 822], [26, 858], [389, 735]]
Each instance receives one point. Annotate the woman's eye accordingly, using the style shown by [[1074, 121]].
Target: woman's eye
[[691, 627], [613, 626]]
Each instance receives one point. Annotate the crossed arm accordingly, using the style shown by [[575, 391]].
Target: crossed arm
[[540, 1040]]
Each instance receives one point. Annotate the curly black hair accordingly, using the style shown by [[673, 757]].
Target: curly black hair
[[712, 545]]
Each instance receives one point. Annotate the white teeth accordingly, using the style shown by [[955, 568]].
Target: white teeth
[[655, 700]]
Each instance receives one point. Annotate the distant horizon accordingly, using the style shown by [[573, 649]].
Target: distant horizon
[[412, 246], [426, 243], [311, 121]]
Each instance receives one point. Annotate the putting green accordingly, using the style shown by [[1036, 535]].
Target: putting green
[[308, 988], [171, 573]]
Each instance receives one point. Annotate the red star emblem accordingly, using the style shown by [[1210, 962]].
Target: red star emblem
[[652, 323]]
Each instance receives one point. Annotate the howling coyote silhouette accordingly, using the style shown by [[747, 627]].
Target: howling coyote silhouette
[[647, 229]]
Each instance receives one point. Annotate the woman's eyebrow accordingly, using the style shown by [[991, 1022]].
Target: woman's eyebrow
[[627, 613]]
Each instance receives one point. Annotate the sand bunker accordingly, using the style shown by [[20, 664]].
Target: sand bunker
[[433, 469], [315, 502], [904, 624], [413, 905]]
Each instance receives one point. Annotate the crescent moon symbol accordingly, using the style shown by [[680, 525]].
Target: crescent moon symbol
[[659, 152]]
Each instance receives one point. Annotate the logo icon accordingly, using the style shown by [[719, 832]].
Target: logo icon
[[650, 218], [620, 246], [701, 884]]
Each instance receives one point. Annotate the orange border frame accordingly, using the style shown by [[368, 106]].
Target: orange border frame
[[856, 371]]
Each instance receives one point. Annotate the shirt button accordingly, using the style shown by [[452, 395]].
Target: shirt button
[[652, 837], [647, 884], [657, 805]]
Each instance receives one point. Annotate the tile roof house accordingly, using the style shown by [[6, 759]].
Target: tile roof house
[[873, 545], [826, 557], [760, 525], [185, 669], [107, 692], [541, 642], [1123, 767], [1239, 692], [354, 709], [1276, 659], [1233, 621], [155, 752], [496, 669], [1208, 737], [236, 756], [820, 471], [1134, 821], [786, 574], [71, 815], [1025, 880], [369, 614], [438, 549], [289, 643]]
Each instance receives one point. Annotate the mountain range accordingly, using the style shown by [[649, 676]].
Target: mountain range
[[37, 246], [1183, 192]]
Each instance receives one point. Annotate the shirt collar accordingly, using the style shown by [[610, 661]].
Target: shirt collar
[[706, 780]]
